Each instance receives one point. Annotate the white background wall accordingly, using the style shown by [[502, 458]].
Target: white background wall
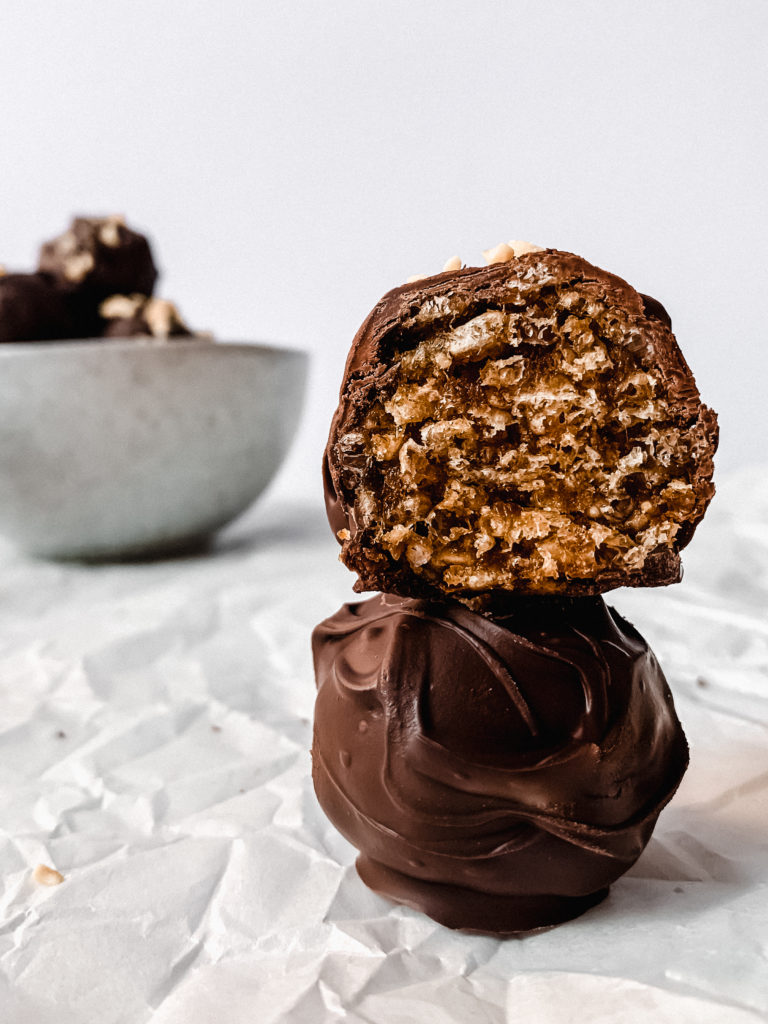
[[293, 161]]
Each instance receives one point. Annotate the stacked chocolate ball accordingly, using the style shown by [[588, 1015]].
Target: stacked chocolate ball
[[96, 280], [511, 442]]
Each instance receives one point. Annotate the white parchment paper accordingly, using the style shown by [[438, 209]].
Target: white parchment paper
[[155, 724]]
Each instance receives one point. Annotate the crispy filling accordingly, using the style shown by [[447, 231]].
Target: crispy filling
[[522, 448]]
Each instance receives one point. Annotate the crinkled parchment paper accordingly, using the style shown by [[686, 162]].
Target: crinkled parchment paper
[[155, 723]]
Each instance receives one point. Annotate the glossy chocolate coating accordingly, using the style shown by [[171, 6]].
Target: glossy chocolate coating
[[498, 775], [100, 256]]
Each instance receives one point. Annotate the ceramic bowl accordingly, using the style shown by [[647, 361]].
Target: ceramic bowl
[[122, 448]]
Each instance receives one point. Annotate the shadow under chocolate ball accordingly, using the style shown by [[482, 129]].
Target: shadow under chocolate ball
[[497, 775]]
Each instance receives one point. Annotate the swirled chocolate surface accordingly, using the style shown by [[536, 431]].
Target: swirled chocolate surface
[[498, 775]]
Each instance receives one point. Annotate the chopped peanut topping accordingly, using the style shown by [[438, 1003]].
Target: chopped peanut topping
[[501, 253]]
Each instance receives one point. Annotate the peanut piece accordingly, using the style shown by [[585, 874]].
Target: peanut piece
[[520, 248], [44, 875], [500, 253]]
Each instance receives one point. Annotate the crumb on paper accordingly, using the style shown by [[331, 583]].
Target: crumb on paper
[[45, 875]]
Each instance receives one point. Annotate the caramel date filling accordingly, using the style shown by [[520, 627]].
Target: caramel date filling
[[521, 448]]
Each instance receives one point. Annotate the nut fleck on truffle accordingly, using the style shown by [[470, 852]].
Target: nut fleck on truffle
[[130, 316]]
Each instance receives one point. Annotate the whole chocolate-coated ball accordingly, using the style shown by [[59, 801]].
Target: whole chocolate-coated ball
[[497, 775]]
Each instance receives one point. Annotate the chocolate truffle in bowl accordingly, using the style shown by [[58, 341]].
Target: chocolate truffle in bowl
[[497, 775], [140, 316], [99, 257]]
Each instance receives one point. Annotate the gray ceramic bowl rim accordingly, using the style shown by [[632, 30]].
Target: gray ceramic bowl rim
[[163, 487], [144, 343]]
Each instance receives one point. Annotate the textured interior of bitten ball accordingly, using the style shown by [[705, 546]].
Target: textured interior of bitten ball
[[522, 448]]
